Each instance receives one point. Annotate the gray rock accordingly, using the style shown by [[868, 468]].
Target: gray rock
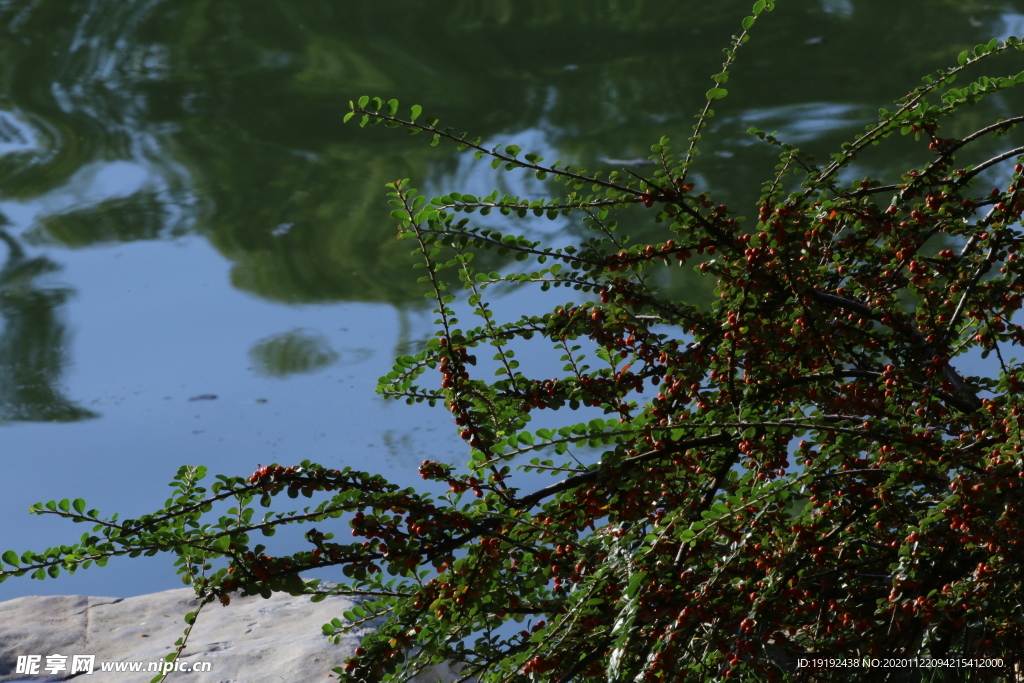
[[252, 640]]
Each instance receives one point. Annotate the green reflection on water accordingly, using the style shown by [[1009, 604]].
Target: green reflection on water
[[292, 353], [32, 341], [127, 121]]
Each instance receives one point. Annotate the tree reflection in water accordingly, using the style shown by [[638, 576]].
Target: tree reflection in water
[[32, 341]]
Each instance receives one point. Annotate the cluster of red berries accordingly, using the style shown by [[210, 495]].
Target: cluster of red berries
[[271, 477], [261, 566], [536, 627], [540, 394], [623, 291], [941, 144], [472, 483], [322, 555], [621, 260], [434, 470], [453, 366], [272, 473], [538, 664]]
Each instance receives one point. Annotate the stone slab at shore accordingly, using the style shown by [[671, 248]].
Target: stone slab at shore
[[251, 640]]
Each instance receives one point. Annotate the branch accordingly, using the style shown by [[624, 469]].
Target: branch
[[968, 401], [498, 155], [845, 374], [1016, 151], [593, 474], [988, 129]]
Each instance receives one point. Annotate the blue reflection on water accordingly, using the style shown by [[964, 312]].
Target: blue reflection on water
[[800, 123]]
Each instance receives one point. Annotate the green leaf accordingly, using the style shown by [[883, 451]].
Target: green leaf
[[716, 93], [348, 116], [748, 22], [416, 111], [961, 59], [392, 107], [363, 101], [11, 558], [759, 7], [635, 582]]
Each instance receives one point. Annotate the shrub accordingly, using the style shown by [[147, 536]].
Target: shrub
[[797, 471]]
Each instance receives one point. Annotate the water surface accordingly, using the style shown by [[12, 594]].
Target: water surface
[[198, 264]]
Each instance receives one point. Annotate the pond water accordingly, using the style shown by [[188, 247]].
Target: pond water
[[198, 264]]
